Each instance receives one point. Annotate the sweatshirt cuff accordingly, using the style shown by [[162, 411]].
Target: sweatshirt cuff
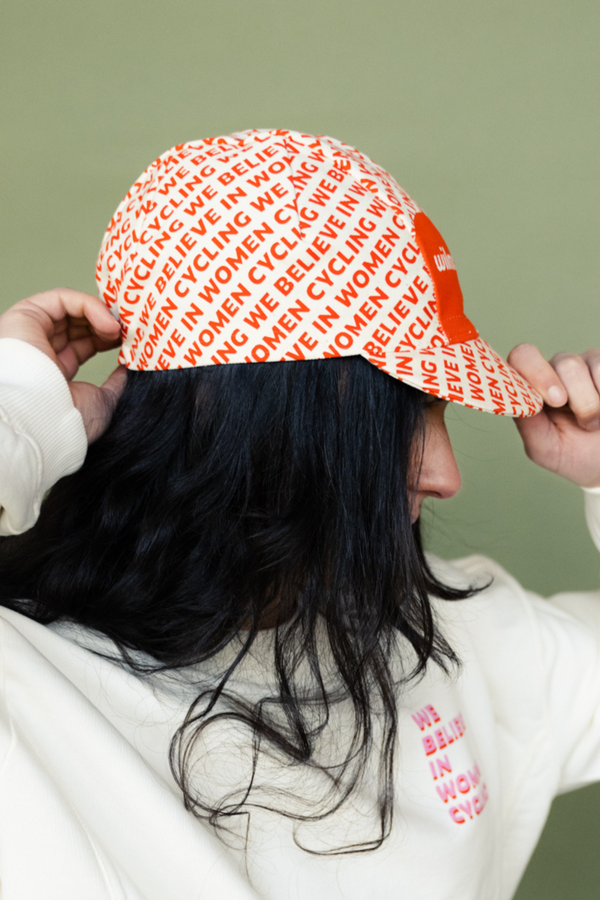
[[36, 401]]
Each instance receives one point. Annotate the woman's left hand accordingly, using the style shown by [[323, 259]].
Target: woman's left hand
[[565, 436]]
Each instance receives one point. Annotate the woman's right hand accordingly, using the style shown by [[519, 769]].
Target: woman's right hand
[[70, 327], [565, 436]]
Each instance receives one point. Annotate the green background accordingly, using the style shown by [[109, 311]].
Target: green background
[[486, 112]]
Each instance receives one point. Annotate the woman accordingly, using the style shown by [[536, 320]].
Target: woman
[[228, 665]]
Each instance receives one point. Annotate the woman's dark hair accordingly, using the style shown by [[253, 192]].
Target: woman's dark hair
[[228, 498]]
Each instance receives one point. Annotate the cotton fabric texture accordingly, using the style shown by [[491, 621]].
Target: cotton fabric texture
[[88, 806], [270, 245]]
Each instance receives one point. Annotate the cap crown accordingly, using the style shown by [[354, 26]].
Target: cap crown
[[274, 245]]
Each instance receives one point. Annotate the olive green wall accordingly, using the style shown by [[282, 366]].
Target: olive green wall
[[486, 112]]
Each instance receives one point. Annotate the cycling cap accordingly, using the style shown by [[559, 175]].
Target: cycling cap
[[270, 245]]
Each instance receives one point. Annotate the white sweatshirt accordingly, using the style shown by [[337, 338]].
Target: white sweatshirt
[[90, 811]]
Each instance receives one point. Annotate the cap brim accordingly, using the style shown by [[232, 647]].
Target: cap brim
[[469, 373]]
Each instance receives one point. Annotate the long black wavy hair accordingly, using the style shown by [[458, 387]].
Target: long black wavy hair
[[224, 500]]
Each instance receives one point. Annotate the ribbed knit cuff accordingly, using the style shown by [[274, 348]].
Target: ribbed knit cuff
[[35, 400]]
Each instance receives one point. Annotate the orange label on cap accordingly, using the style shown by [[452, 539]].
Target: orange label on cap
[[448, 295]]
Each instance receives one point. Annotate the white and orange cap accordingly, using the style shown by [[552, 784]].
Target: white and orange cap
[[270, 245]]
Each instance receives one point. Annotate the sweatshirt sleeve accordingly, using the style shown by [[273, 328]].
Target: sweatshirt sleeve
[[592, 513], [42, 436], [569, 633]]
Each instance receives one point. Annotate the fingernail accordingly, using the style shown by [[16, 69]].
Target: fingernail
[[555, 395], [593, 424]]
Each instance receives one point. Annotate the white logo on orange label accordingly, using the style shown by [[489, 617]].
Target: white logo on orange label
[[444, 261]]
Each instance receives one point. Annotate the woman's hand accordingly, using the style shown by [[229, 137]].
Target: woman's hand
[[70, 327], [565, 436]]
